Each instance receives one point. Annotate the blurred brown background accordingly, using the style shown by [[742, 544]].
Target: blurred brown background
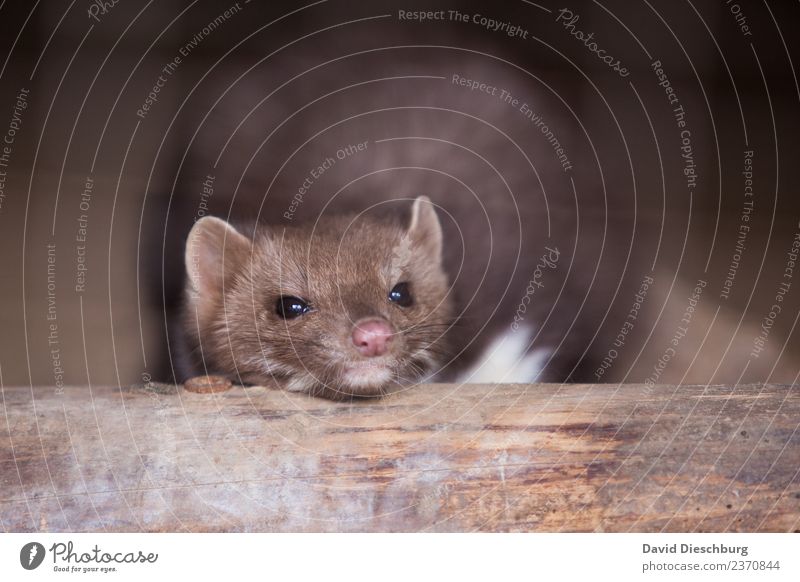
[[85, 71]]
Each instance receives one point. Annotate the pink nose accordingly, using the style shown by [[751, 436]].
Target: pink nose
[[372, 337]]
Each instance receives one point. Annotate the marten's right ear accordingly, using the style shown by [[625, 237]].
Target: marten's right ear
[[214, 249]]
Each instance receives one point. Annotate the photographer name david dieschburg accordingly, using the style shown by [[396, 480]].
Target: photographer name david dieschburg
[[693, 549], [65, 554]]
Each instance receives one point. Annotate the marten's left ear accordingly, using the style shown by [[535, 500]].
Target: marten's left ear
[[424, 229]]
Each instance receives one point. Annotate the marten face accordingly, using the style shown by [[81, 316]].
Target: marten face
[[347, 307]]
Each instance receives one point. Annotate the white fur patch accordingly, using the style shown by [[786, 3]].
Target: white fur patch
[[508, 360], [300, 383], [366, 376]]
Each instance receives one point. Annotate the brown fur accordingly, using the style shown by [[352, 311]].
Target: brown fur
[[344, 266]]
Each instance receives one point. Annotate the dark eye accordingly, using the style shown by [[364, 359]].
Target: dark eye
[[289, 307], [401, 295]]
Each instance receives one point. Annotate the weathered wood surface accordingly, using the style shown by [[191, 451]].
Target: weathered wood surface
[[435, 458]]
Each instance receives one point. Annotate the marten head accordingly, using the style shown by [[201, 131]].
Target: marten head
[[348, 306]]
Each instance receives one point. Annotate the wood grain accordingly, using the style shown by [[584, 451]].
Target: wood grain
[[434, 458]]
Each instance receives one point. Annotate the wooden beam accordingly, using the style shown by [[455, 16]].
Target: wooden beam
[[434, 458]]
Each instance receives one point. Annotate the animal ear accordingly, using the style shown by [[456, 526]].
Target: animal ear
[[424, 229], [214, 250]]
